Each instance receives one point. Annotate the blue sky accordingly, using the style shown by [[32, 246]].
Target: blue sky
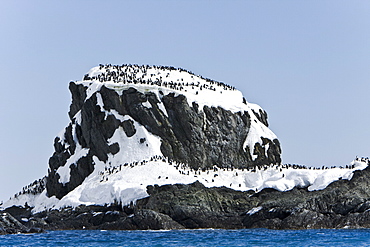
[[307, 63]]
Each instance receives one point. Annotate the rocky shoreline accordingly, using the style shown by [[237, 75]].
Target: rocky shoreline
[[343, 204]]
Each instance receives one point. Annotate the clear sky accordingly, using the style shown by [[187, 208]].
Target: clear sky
[[307, 63]]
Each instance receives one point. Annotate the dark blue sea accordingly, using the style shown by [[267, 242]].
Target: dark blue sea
[[209, 237]]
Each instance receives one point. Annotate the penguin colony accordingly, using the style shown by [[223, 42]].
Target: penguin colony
[[186, 170], [34, 188], [153, 75], [38, 186]]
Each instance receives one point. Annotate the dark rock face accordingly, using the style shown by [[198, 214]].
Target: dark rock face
[[92, 217], [200, 138], [262, 116], [149, 219], [10, 225], [128, 127], [195, 206], [78, 98], [204, 140]]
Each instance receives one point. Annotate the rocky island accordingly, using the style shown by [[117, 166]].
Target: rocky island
[[158, 147]]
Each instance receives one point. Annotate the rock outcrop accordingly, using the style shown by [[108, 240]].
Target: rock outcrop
[[199, 136], [10, 225], [343, 204]]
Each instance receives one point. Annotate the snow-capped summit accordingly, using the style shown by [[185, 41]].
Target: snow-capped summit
[[133, 126]]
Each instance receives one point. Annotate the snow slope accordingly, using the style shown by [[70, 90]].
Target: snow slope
[[127, 183]]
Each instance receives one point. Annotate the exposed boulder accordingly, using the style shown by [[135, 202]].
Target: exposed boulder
[[10, 225], [146, 219]]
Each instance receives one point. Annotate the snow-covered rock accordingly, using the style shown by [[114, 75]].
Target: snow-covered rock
[[130, 113], [133, 126]]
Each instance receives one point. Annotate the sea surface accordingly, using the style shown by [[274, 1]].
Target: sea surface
[[208, 237]]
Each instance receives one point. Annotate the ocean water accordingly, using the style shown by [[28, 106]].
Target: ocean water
[[208, 237]]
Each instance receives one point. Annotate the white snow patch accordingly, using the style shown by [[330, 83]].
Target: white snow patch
[[77, 117], [147, 104], [100, 103], [64, 171], [118, 116], [163, 109], [142, 145], [254, 210]]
